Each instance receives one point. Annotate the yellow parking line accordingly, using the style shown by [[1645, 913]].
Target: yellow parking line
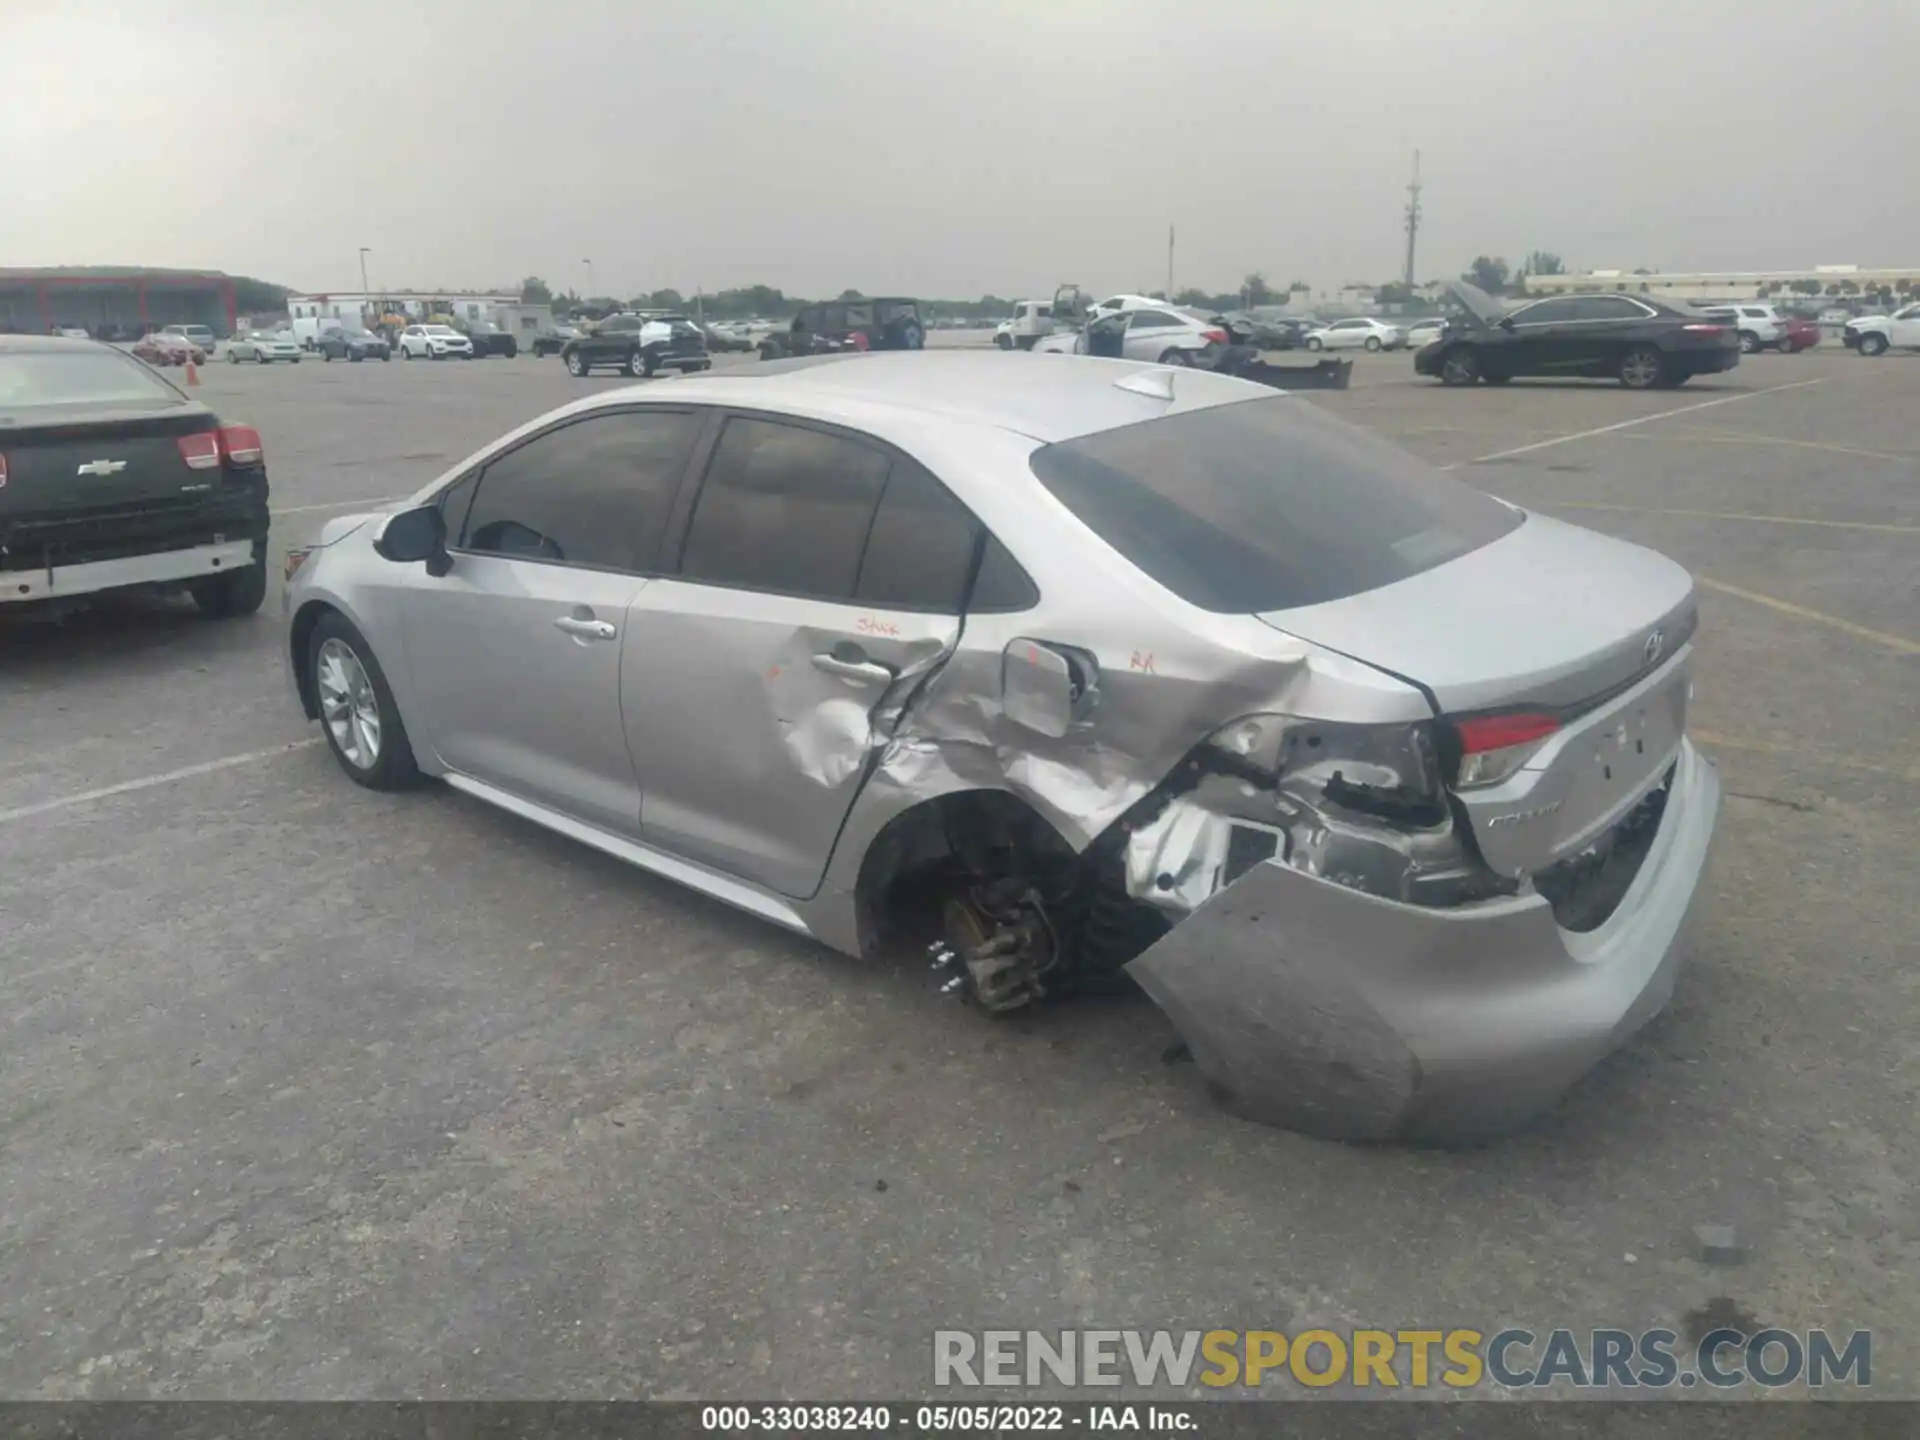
[[1728, 515], [1786, 607], [1772, 747]]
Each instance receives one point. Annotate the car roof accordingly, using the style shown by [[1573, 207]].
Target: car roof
[[24, 344], [1043, 397]]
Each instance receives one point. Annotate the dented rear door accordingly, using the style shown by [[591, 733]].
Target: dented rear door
[[757, 684]]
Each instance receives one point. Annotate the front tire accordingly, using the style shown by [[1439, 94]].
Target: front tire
[[358, 714], [1314, 343], [1373, 343], [1872, 345], [1749, 343], [1460, 366], [236, 593], [1005, 342], [1642, 368], [638, 366], [1175, 357], [577, 366]]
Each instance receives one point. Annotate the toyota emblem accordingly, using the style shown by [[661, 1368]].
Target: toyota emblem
[[1656, 642]]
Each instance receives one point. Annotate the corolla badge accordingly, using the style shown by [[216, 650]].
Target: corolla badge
[[1520, 817], [1656, 642]]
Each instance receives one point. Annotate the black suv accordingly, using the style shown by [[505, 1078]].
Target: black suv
[[638, 344], [112, 479], [490, 339], [887, 323]]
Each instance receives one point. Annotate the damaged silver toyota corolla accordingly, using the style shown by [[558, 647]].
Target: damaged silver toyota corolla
[[1377, 785]]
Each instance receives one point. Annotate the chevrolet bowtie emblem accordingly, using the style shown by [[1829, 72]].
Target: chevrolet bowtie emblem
[[102, 467]]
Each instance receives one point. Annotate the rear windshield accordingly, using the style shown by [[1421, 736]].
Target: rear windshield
[[32, 378], [1266, 505]]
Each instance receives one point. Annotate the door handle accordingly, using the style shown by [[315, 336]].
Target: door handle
[[869, 671], [585, 629]]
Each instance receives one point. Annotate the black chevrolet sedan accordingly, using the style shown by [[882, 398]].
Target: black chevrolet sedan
[[1642, 342]]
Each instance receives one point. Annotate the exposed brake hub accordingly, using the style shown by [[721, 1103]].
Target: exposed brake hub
[[1000, 936]]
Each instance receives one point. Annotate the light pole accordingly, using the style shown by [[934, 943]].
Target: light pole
[[364, 288], [589, 265]]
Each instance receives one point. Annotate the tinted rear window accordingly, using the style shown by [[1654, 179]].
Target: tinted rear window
[[1266, 505], [30, 378]]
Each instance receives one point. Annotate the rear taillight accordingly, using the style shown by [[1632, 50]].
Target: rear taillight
[[1218, 337], [3, 472], [240, 445], [201, 452], [235, 446], [1492, 747], [1706, 329]]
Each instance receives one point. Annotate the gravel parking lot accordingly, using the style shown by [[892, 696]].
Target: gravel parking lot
[[311, 1092]]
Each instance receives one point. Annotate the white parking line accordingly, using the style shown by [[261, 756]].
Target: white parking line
[[335, 505], [1630, 424], [148, 782]]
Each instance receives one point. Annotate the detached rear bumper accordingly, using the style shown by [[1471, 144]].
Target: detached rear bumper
[[1330, 1011]]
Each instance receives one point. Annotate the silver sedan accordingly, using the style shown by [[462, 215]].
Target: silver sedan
[[1379, 786], [262, 348], [1169, 336]]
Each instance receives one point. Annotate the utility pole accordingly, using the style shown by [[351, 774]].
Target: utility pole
[[1169, 262], [1413, 219], [364, 252], [589, 294]]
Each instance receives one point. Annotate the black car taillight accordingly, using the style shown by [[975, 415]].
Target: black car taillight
[[235, 446]]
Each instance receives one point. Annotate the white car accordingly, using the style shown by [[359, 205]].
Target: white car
[[1425, 332], [1361, 333], [1114, 304], [1877, 334], [263, 349], [1164, 335], [434, 342], [1760, 327]]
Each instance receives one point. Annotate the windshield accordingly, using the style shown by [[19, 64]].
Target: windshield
[[1266, 505], [441, 330], [29, 379]]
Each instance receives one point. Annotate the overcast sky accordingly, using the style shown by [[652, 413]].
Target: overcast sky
[[948, 149]]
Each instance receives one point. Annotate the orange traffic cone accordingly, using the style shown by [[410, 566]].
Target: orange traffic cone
[[193, 371]]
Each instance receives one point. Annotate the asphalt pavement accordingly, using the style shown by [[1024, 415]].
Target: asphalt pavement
[[310, 1092]]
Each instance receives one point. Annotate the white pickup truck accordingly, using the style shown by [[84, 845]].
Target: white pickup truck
[[1032, 321], [1877, 334]]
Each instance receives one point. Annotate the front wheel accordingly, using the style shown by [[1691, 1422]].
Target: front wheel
[[1461, 366], [577, 365], [1175, 357], [1749, 343], [357, 710], [1373, 343], [1005, 342], [638, 366], [1872, 345], [1314, 343], [1642, 367]]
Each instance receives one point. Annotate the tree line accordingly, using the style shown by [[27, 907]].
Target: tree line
[[769, 302]]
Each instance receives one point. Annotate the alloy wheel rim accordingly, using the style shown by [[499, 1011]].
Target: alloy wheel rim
[[1641, 369], [348, 706]]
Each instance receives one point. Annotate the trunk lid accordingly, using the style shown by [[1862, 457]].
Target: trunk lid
[[102, 458], [1549, 618]]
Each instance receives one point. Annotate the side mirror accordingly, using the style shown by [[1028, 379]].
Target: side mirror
[[413, 536], [1506, 323], [1047, 690]]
